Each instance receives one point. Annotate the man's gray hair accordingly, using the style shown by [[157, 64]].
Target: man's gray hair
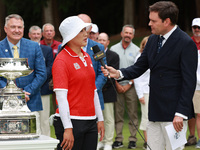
[[130, 26], [49, 24], [16, 16], [34, 28]]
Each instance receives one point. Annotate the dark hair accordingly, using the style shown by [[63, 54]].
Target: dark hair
[[62, 48], [165, 9]]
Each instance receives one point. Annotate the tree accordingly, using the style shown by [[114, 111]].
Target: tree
[[197, 7], [109, 15], [129, 11], [51, 15], [2, 19]]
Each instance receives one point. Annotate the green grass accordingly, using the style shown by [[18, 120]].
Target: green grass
[[140, 142], [126, 133]]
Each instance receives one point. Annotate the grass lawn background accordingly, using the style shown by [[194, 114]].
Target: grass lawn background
[[126, 133]]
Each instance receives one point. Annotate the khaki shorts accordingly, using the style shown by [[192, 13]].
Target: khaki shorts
[[196, 101]]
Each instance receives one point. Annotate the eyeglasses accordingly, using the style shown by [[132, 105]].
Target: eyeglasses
[[195, 27]]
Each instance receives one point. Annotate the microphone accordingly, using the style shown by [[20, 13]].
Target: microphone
[[99, 55]]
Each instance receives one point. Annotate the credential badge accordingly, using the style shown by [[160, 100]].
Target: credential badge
[[76, 66]]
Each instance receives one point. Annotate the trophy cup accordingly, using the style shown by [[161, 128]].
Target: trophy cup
[[16, 120]]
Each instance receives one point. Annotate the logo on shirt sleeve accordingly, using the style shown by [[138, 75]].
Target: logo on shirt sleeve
[[76, 66]]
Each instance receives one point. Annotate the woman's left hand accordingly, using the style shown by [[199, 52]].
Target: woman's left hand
[[101, 129], [68, 139]]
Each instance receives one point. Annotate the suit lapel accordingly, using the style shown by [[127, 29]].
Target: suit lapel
[[5, 49], [108, 57], [165, 49]]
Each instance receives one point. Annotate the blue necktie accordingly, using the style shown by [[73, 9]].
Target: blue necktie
[[160, 43]]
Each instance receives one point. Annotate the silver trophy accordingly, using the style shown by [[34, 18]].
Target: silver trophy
[[16, 120]]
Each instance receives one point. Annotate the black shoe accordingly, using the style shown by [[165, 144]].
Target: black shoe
[[191, 141], [132, 145], [145, 145], [117, 144]]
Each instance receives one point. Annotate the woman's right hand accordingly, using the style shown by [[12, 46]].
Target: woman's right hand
[[68, 139], [142, 100]]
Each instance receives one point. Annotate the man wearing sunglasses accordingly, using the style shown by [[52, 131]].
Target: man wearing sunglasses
[[192, 122], [196, 32]]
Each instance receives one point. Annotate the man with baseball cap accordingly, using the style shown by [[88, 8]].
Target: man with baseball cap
[[191, 123], [196, 32], [94, 33]]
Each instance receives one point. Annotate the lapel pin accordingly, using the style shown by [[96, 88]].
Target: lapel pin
[[6, 50]]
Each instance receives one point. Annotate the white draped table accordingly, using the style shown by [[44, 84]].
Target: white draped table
[[41, 143]]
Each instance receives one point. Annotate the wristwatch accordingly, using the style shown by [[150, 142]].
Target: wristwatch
[[130, 82]]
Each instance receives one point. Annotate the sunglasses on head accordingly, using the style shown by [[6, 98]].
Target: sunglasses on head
[[195, 27]]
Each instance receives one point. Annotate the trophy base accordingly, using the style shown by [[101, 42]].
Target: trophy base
[[17, 137], [18, 125], [11, 91]]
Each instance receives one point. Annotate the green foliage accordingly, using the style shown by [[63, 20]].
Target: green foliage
[[26, 7], [68, 7], [31, 11]]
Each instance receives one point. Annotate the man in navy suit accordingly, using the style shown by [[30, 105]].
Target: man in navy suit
[[172, 78], [14, 28], [100, 79], [35, 34]]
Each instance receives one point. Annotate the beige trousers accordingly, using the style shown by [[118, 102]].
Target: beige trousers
[[131, 100], [144, 111], [44, 115], [109, 123], [157, 137]]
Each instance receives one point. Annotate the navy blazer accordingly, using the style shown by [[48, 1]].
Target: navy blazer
[[172, 76], [31, 83], [48, 57], [100, 79], [109, 93]]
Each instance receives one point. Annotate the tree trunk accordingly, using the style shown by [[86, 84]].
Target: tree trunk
[[51, 15], [48, 13], [142, 15], [2, 19], [56, 19], [198, 8], [129, 11]]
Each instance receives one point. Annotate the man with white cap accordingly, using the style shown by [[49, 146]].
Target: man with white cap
[[94, 33], [192, 122], [79, 118], [196, 32]]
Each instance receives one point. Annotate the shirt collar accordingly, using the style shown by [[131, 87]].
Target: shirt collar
[[11, 45], [106, 49], [72, 53], [127, 46], [166, 36]]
